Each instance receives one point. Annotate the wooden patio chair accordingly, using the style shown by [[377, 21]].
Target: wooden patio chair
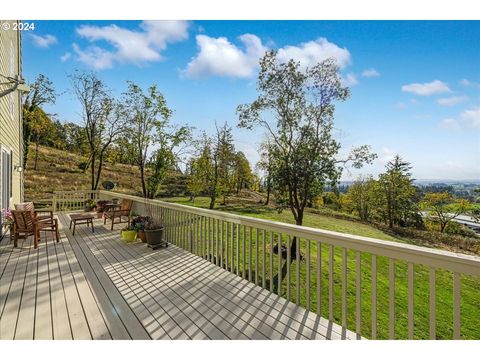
[[38, 214], [119, 213], [25, 224]]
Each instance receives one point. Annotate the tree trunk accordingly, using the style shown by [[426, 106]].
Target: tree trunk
[[142, 178], [268, 195], [36, 155], [212, 202], [92, 171], [293, 255]]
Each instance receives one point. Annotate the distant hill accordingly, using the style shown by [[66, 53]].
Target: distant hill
[[59, 170]]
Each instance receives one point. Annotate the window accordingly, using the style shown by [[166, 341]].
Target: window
[[6, 177]]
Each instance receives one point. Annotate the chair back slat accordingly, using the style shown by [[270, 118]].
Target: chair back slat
[[23, 219], [126, 205]]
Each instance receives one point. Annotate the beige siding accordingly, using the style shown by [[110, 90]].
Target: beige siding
[[11, 123]]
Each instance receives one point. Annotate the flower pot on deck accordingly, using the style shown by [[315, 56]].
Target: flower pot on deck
[[141, 235], [154, 237], [99, 214], [129, 235]]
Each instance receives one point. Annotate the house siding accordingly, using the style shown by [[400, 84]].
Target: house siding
[[11, 107]]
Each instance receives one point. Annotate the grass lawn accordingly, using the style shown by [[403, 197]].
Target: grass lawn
[[470, 305]]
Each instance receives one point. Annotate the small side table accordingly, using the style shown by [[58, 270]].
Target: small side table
[[81, 219]]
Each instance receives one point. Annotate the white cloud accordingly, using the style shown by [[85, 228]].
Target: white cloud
[[95, 57], [312, 52], [129, 46], [468, 119], [219, 57], [427, 89], [468, 83], [349, 80], [66, 56], [471, 117], [43, 41], [370, 73], [450, 124], [452, 100]]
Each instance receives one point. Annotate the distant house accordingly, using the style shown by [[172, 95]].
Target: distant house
[[11, 146]]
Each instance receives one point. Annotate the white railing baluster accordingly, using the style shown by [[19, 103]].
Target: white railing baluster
[[456, 305], [279, 254], [374, 297], [289, 242], [232, 236], [391, 271], [358, 289], [344, 287], [410, 301], [297, 270], [256, 255], [264, 260], [271, 262], [250, 260], [244, 260], [307, 276], [330, 283], [227, 250], [319, 278], [433, 304], [238, 249]]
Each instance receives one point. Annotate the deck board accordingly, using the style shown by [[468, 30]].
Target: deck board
[[95, 286]]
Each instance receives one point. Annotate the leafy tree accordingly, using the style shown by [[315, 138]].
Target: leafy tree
[[399, 193], [39, 124], [212, 169], [41, 92], [165, 157], [148, 119], [361, 195], [243, 176], [266, 164], [103, 119], [443, 208], [297, 109]]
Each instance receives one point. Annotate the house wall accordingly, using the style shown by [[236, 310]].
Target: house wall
[[11, 108]]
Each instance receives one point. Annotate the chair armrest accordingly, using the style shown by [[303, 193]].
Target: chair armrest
[[44, 211]]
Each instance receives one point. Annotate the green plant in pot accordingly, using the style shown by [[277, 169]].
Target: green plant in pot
[[140, 223], [129, 233], [89, 205], [154, 235]]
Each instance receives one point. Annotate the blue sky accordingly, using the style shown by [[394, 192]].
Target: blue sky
[[415, 85]]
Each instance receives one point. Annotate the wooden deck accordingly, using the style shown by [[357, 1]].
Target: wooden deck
[[94, 286]]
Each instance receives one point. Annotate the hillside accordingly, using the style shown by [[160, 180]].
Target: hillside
[[58, 170]]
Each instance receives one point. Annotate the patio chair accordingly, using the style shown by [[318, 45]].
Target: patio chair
[[38, 214], [25, 224], [124, 210]]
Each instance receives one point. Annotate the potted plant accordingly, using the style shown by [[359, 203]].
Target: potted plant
[[154, 234], [129, 233], [139, 223], [101, 208], [89, 205]]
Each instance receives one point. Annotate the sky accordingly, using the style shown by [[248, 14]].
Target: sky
[[415, 85]]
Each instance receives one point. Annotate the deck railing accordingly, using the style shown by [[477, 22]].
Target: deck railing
[[377, 288]]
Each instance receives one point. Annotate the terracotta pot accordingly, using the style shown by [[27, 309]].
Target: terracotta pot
[[99, 214], [141, 235]]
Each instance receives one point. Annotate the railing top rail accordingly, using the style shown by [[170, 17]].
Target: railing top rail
[[412, 253], [75, 191]]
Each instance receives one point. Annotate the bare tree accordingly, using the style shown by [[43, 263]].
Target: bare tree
[[103, 119]]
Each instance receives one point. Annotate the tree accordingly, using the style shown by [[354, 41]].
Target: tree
[[443, 207], [165, 157], [297, 109], [39, 123], [212, 169], [360, 195], [148, 117], [103, 119], [243, 176], [399, 193], [266, 165], [41, 92]]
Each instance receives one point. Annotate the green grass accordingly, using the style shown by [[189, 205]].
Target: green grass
[[470, 308]]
